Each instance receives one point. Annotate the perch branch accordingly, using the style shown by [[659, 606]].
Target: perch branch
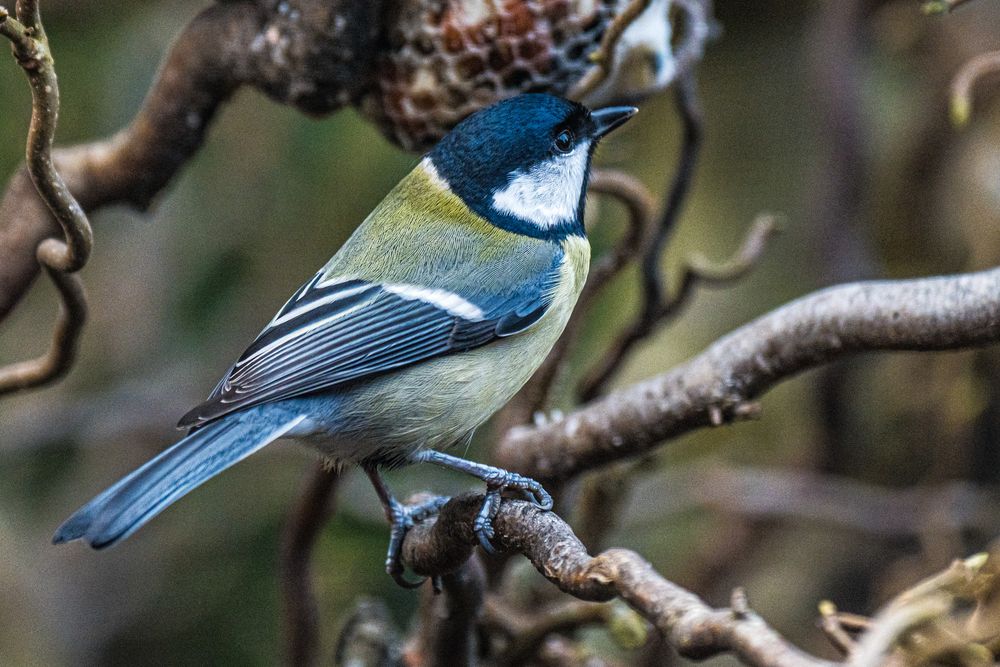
[[61, 258], [692, 627], [962, 84], [721, 383]]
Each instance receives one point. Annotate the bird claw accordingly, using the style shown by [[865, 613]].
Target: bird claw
[[403, 518], [496, 485]]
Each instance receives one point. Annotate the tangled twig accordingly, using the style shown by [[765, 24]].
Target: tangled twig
[[61, 258]]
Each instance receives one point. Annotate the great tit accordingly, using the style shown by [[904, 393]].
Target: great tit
[[428, 320]]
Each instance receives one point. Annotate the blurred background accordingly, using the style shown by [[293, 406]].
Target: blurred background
[[832, 113]]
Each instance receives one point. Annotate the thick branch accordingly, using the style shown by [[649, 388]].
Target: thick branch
[[720, 384], [692, 627]]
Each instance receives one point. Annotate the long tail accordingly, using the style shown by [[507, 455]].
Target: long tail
[[138, 497]]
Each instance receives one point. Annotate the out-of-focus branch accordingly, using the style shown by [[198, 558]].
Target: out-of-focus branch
[[692, 627], [817, 498], [961, 86], [526, 632], [61, 258], [721, 384], [369, 638], [942, 6], [447, 634], [302, 527], [689, 108]]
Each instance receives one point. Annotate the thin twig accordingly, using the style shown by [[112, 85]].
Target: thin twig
[[834, 630], [699, 272], [527, 631], [942, 6], [60, 258], [603, 57], [302, 527], [686, 99], [961, 86], [721, 384]]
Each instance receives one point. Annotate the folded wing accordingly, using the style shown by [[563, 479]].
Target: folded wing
[[336, 331]]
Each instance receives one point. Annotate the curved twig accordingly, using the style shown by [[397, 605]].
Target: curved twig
[[652, 280], [961, 85], [720, 384], [60, 258], [603, 57], [699, 271], [315, 55]]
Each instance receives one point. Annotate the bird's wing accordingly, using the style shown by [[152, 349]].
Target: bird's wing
[[335, 331]]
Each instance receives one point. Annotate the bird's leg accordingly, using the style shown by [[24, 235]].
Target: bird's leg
[[401, 518], [497, 481]]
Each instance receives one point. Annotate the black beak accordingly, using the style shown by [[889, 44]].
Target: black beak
[[609, 118]]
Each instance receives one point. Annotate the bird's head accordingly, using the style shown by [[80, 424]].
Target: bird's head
[[523, 163]]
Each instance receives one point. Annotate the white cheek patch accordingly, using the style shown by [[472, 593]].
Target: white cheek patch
[[548, 194], [427, 164], [443, 299]]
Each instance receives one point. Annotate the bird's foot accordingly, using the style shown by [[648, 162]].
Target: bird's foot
[[403, 518], [498, 481]]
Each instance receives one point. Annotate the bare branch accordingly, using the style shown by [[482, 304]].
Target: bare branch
[[448, 621], [692, 627], [313, 54], [939, 313], [942, 6], [302, 527], [961, 86], [60, 258], [816, 498]]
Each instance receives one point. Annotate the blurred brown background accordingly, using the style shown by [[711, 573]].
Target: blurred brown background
[[832, 113]]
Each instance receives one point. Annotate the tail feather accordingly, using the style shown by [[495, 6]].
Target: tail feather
[[126, 506]]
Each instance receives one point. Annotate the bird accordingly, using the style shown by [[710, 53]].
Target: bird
[[430, 317]]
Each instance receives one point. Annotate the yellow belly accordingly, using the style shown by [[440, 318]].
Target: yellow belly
[[436, 404]]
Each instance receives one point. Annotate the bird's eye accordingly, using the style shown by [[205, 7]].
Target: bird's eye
[[564, 141]]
